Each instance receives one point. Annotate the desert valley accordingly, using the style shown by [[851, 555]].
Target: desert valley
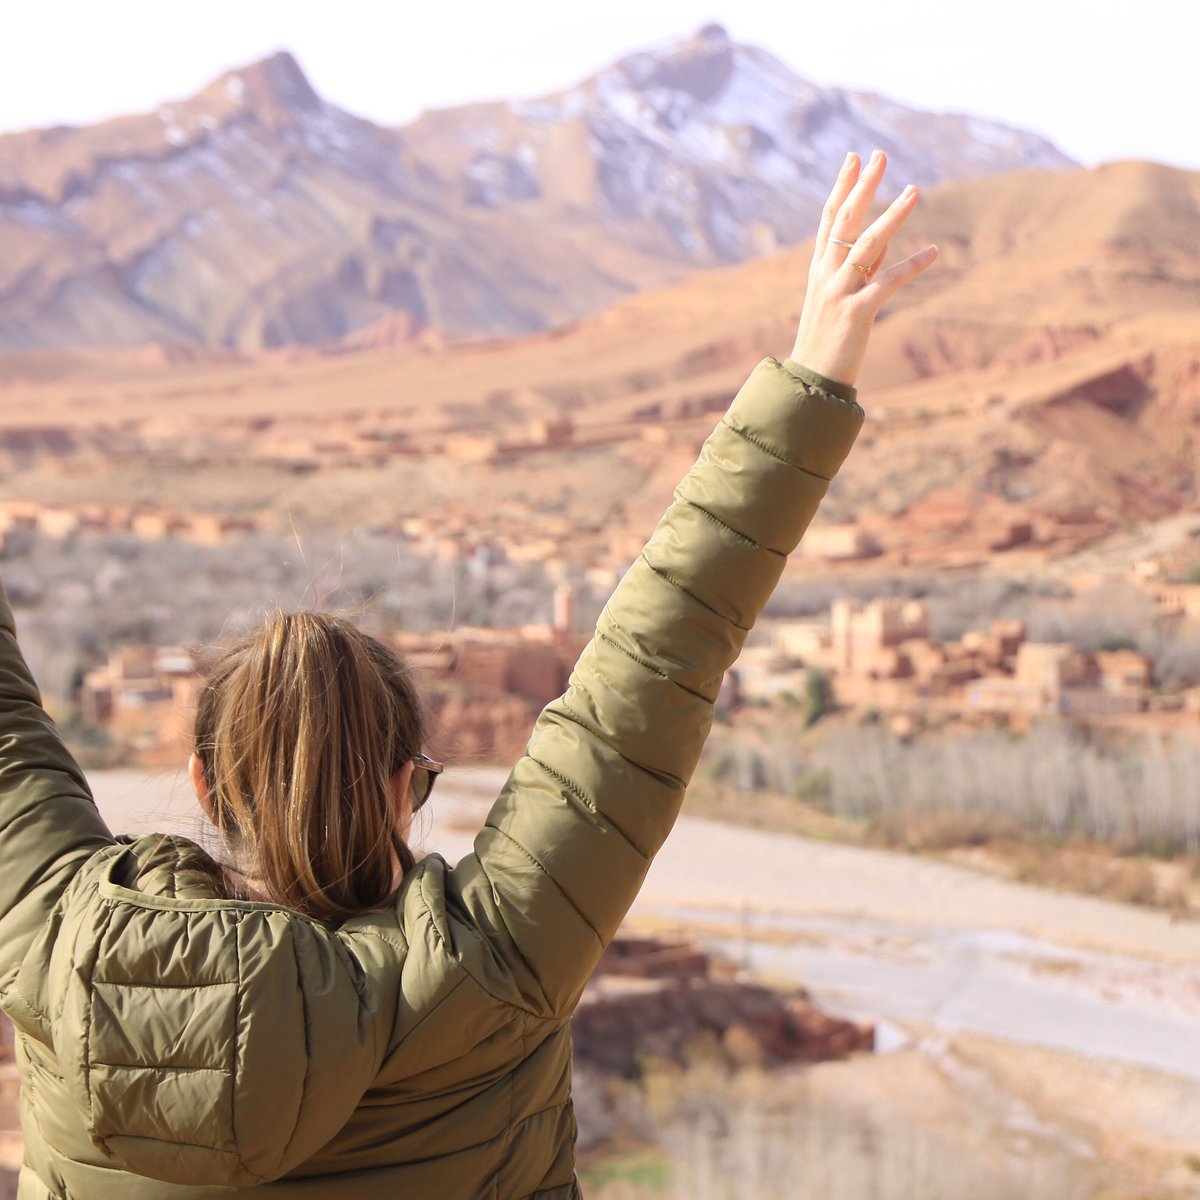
[[458, 417]]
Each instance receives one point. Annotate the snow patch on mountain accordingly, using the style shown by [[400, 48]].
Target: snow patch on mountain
[[256, 211], [712, 139]]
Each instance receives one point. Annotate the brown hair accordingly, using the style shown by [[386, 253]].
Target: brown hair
[[299, 730]]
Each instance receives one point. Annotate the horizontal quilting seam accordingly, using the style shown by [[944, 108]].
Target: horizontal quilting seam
[[526, 852], [566, 782], [641, 662], [563, 709], [138, 983], [143, 1137], [349, 934], [737, 533], [550, 876], [29, 1004], [144, 1066], [771, 452], [667, 578], [592, 806]]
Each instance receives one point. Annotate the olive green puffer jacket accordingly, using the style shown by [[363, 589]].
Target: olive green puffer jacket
[[175, 1044]]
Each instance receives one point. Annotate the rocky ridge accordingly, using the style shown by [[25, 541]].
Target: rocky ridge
[[256, 214], [714, 151]]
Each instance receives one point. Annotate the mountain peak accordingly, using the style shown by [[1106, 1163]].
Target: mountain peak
[[699, 66], [274, 83]]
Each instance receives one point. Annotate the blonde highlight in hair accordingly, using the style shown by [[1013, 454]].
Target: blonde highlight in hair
[[300, 730]]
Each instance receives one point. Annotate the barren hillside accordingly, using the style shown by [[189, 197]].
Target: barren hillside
[[1049, 367]]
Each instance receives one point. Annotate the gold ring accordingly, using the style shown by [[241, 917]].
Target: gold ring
[[840, 242], [860, 267]]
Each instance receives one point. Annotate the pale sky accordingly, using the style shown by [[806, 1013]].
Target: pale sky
[[1104, 79]]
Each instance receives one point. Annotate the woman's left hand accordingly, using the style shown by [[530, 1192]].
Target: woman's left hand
[[847, 284]]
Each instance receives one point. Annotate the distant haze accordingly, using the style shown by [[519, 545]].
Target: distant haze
[[1104, 80]]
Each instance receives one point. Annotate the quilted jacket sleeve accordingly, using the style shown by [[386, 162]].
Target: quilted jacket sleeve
[[49, 824], [567, 844]]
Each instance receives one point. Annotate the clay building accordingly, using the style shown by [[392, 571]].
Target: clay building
[[213, 529], [1054, 677], [140, 678], [153, 526], [1053, 666], [551, 432], [1178, 599], [860, 634], [803, 641], [880, 654], [998, 645], [501, 662], [472, 447], [840, 543]]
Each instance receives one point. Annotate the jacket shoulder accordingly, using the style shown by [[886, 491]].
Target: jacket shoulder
[[202, 1040], [205, 1040]]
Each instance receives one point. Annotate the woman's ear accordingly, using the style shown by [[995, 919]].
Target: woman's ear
[[200, 786]]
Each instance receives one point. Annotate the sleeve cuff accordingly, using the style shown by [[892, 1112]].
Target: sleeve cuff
[[843, 391], [795, 420]]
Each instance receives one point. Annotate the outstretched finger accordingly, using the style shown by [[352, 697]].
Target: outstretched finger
[[847, 178], [894, 278], [871, 245], [848, 223]]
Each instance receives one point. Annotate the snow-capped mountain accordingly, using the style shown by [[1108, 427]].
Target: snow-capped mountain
[[255, 213], [720, 146]]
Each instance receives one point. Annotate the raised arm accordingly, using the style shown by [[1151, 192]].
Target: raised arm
[[568, 843], [48, 822]]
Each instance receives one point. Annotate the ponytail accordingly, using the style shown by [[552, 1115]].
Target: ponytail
[[300, 730]]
